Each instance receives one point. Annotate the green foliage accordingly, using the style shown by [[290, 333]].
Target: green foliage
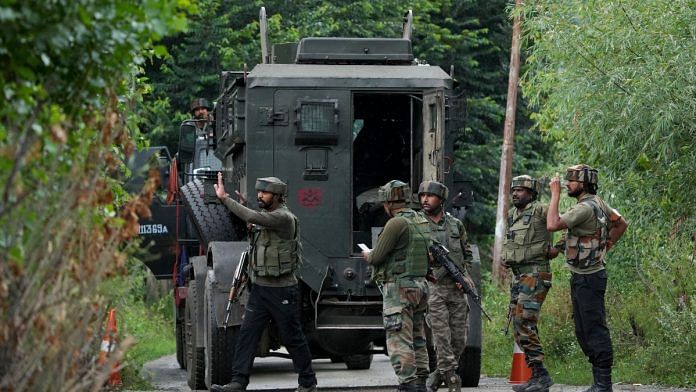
[[613, 83], [472, 36], [66, 86], [148, 321]]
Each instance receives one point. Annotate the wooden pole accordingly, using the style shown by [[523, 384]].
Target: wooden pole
[[508, 148]]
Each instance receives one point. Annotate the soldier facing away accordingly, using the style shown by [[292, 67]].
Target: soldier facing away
[[400, 260], [527, 250], [592, 229], [274, 256], [448, 308]]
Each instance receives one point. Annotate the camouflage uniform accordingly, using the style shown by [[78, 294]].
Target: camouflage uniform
[[531, 274], [526, 253], [448, 308], [400, 262]]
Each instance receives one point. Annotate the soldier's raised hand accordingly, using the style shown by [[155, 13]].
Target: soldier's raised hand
[[220, 187], [555, 184]]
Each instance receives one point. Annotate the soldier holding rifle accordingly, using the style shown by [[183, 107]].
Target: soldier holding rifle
[[448, 308], [274, 256]]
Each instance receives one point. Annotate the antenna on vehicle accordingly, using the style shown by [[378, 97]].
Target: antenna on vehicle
[[263, 24], [408, 25]]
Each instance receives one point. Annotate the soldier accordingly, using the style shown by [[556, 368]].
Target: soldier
[[592, 229], [448, 308], [527, 253], [200, 110], [400, 260], [274, 256]]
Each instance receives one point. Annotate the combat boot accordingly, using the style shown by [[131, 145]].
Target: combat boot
[[233, 386], [453, 382], [311, 388], [602, 380], [434, 381], [411, 386], [522, 387], [420, 384], [540, 381]]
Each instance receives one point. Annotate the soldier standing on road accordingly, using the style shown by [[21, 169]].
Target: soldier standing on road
[[448, 308], [527, 253], [274, 256], [400, 260], [592, 229]]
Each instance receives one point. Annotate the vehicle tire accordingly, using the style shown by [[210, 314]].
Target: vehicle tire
[[359, 361], [213, 221], [180, 328], [195, 366], [470, 367], [335, 359], [220, 343]]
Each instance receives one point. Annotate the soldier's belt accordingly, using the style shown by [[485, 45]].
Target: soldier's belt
[[530, 269]]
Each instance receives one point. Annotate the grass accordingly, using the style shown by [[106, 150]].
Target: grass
[[651, 360], [145, 317], [152, 326]]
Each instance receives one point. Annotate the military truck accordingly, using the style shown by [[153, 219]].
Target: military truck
[[335, 118]]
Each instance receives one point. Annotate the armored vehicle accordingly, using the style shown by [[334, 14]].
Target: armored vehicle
[[334, 118]]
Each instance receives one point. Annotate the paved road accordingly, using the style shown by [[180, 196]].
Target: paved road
[[276, 374]]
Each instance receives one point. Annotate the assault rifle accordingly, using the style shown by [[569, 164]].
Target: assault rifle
[[239, 281], [441, 255]]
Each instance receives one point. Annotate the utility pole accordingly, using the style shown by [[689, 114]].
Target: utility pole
[[508, 146]]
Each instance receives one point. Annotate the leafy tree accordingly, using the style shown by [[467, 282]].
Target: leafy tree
[[613, 84], [65, 125], [471, 35]]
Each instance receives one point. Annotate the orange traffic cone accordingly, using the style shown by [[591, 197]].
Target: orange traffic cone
[[108, 345], [520, 372]]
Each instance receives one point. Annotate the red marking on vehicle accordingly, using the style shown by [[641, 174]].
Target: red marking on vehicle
[[310, 197]]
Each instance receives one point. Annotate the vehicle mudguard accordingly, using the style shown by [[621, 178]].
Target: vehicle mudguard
[[223, 257], [199, 272], [474, 335]]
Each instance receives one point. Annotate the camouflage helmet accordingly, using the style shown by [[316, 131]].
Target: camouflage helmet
[[582, 173], [435, 188], [199, 103], [394, 190], [525, 181], [271, 184]]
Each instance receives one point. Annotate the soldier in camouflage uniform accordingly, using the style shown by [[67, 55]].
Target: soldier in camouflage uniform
[[592, 229], [273, 258], [527, 250], [448, 308], [400, 262]]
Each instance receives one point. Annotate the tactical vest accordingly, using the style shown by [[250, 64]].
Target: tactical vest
[[273, 255], [588, 251], [527, 240], [448, 235], [411, 261]]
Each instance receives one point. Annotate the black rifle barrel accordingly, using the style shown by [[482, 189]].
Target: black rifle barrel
[[441, 255]]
